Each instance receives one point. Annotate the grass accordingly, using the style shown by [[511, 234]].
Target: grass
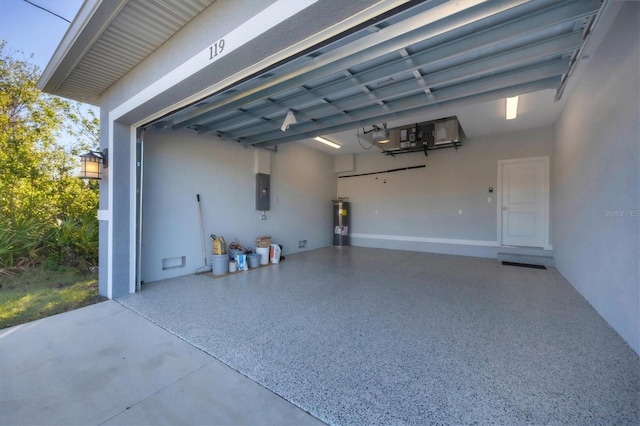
[[37, 293]]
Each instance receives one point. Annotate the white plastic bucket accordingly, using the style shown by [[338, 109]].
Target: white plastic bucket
[[264, 255]]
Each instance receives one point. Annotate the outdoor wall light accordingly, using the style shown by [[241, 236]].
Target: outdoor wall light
[[90, 164]]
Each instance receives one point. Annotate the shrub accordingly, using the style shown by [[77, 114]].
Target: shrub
[[76, 240], [21, 242]]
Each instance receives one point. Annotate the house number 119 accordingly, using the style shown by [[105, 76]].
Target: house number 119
[[216, 48]]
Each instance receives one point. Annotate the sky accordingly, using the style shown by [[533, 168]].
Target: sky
[[32, 30], [36, 32]]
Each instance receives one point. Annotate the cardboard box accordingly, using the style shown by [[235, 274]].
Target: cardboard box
[[263, 242]]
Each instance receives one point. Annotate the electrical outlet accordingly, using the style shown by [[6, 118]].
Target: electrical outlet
[[302, 243]]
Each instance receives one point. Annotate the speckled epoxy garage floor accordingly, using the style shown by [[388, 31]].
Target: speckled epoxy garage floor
[[369, 336]]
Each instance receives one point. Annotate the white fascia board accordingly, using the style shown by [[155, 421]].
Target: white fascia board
[[92, 20]]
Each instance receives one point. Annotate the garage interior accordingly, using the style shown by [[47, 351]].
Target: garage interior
[[418, 63], [417, 322]]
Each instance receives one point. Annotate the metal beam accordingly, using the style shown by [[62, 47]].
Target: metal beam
[[365, 120], [476, 69], [517, 56], [486, 42], [460, 91], [416, 28]]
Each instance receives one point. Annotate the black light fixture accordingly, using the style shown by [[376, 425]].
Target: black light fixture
[[90, 164]]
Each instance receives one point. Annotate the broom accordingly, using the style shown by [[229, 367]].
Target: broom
[[206, 268]]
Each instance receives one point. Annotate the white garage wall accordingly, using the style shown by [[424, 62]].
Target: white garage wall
[[418, 209], [596, 177], [179, 165]]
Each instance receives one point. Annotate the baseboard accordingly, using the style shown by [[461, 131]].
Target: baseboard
[[475, 248], [427, 240]]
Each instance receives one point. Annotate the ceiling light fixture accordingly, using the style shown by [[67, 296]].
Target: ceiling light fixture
[[512, 108], [379, 135], [327, 142]]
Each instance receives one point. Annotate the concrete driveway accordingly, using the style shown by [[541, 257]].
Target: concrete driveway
[[104, 364]]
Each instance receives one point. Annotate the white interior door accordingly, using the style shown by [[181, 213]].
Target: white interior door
[[524, 202]]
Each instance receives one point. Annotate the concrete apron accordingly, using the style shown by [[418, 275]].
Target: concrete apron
[[106, 364]]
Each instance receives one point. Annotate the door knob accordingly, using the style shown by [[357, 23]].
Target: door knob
[[505, 208]]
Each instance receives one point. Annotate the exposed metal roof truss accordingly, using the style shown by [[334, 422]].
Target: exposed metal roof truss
[[436, 54]]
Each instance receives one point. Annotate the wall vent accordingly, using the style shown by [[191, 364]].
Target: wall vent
[[174, 262]]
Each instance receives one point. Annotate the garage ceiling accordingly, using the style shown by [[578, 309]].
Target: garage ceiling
[[434, 56]]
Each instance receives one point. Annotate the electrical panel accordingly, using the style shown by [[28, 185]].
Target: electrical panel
[[263, 191]]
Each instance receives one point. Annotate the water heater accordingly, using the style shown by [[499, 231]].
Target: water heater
[[341, 212]]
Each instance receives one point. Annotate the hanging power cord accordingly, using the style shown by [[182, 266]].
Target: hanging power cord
[[47, 10], [360, 143]]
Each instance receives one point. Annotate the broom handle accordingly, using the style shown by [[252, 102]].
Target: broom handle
[[204, 250]]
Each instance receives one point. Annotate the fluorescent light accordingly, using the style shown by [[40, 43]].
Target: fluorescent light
[[327, 142], [512, 108]]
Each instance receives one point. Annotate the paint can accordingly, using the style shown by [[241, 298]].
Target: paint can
[[233, 266]]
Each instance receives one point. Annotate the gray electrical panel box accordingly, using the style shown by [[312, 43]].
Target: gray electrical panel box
[[263, 191]]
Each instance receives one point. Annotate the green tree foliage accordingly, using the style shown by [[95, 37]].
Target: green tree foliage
[[43, 203]]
